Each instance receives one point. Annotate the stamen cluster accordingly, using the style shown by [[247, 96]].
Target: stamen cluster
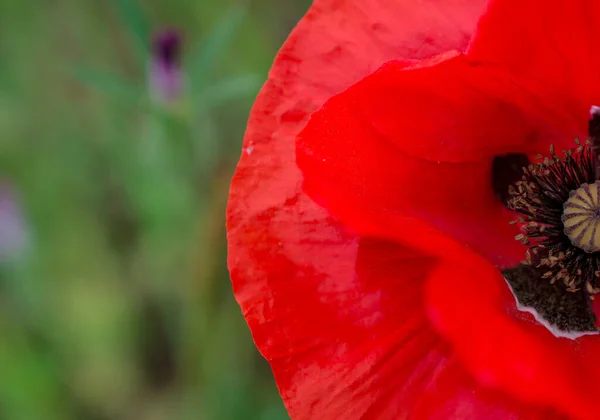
[[539, 198]]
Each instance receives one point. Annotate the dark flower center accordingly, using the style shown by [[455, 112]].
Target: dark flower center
[[558, 202], [552, 198], [506, 170]]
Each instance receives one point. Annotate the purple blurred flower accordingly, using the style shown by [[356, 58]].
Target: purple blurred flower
[[13, 232], [166, 78]]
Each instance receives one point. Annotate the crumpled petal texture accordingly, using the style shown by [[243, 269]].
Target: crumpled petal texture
[[507, 350], [362, 165], [343, 318], [383, 174], [551, 49], [372, 186]]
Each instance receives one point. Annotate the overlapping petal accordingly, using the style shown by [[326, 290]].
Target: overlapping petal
[[456, 395], [341, 318], [366, 163], [509, 351], [551, 48]]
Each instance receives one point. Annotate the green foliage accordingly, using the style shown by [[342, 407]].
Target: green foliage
[[120, 306], [134, 20], [215, 44]]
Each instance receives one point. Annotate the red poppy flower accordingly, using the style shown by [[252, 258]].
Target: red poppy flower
[[385, 300]]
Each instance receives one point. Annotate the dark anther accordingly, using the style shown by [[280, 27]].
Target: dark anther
[[557, 204], [506, 170]]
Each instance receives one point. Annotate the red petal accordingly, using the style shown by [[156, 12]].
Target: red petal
[[353, 168], [363, 347], [446, 109], [359, 164], [551, 48], [340, 342], [507, 351], [455, 395]]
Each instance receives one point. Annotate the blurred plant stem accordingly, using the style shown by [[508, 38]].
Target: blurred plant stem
[[118, 305]]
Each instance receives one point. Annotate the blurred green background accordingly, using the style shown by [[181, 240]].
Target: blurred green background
[[115, 301]]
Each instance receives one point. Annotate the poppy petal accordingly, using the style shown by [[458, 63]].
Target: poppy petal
[[292, 265], [456, 395], [376, 188], [365, 349], [363, 172], [448, 109], [453, 110], [551, 48], [508, 351], [384, 360]]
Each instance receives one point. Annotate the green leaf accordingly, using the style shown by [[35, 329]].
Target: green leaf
[[108, 84], [132, 16], [230, 89], [214, 45]]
